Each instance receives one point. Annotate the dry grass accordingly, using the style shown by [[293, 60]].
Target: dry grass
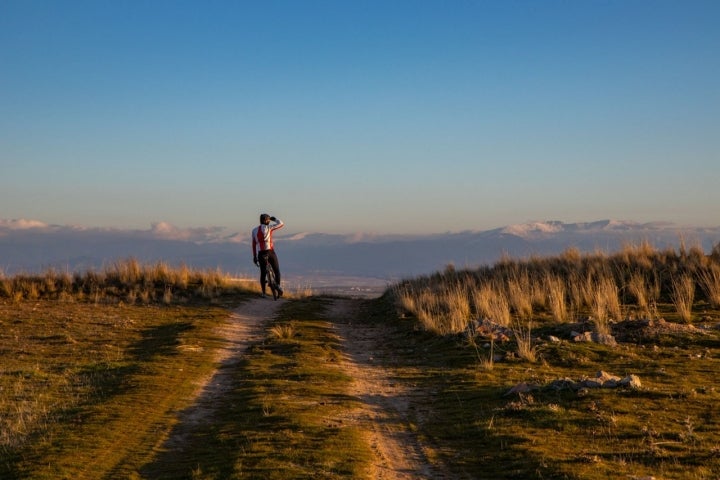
[[683, 295], [605, 304], [491, 302], [520, 293], [282, 331], [523, 339], [125, 280], [709, 279], [566, 288], [443, 311], [556, 297], [659, 430]]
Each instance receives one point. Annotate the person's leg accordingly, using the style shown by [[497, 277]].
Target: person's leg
[[275, 265], [263, 271]]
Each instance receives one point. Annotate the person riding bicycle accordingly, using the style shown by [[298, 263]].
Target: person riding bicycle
[[263, 250]]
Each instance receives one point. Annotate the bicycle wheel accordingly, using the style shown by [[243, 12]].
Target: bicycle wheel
[[272, 283]]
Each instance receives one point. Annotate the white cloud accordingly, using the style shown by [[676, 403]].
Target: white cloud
[[21, 224], [167, 231]]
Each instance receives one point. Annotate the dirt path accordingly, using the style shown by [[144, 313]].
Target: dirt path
[[384, 413], [385, 403], [244, 327]]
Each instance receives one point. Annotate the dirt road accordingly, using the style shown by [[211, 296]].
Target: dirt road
[[383, 414]]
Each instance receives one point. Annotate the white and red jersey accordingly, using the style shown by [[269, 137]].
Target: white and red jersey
[[262, 236]]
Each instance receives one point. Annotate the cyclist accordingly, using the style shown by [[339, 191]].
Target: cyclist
[[263, 251]]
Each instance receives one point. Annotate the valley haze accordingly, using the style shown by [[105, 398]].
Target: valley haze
[[324, 261]]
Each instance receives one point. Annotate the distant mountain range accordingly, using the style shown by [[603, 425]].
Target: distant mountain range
[[31, 246]]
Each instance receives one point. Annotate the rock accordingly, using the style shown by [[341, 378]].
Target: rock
[[522, 387], [604, 339], [554, 339], [602, 379], [607, 380], [565, 383], [601, 338], [631, 381], [591, 383], [582, 337]]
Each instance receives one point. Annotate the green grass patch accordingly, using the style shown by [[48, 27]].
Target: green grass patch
[[86, 390]]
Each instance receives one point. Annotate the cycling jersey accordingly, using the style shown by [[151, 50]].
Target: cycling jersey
[[262, 236]]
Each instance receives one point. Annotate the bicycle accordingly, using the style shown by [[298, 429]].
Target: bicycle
[[271, 280]]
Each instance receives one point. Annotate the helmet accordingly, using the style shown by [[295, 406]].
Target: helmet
[[264, 218]]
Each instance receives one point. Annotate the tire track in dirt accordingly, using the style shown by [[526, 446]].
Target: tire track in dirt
[[245, 326], [384, 413]]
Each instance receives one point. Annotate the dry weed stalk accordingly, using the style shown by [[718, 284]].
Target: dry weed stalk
[[491, 302], [555, 294], [683, 295], [709, 279], [523, 338], [282, 332], [441, 310], [606, 304], [520, 294], [640, 290]]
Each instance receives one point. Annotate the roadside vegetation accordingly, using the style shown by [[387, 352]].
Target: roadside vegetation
[[127, 281], [526, 336], [601, 288]]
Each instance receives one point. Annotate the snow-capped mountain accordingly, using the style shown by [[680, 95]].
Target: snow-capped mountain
[[32, 246]]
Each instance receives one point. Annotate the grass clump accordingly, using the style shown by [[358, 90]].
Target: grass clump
[[683, 294]]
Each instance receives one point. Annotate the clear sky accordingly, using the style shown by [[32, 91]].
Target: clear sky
[[386, 116]]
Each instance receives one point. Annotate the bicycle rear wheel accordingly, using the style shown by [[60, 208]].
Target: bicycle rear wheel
[[272, 283]]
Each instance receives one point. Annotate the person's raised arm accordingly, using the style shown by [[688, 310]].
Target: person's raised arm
[[278, 223]]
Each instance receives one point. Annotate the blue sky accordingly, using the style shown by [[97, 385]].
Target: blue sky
[[359, 116]]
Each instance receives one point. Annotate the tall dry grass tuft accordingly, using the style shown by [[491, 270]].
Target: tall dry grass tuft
[[405, 298], [491, 302], [555, 292], [640, 290], [282, 331], [523, 338], [683, 295], [709, 279], [443, 310], [520, 293], [605, 304]]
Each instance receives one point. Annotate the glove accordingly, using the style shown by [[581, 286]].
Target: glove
[[255, 261], [273, 219]]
